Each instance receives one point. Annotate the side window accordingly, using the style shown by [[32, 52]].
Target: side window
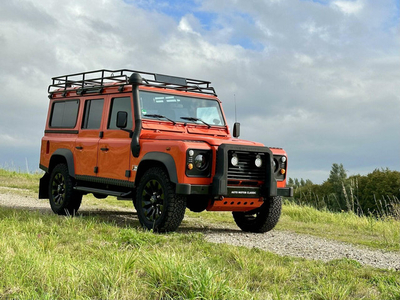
[[64, 114], [120, 104], [93, 113]]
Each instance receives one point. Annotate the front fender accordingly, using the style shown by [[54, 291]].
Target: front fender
[[159, 157]]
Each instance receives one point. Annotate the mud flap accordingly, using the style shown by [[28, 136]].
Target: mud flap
[[44, 186]]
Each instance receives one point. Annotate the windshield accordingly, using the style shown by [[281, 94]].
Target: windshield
[[174, 107]]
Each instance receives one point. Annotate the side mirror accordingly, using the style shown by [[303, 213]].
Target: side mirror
[[236, 130], [122, 119]]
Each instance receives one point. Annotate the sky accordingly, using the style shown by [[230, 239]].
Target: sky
[[319, 78]]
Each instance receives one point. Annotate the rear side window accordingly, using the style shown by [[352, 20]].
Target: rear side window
[[93, 113], [120, 104], [64, 114]]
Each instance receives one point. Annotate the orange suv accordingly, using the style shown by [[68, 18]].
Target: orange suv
[[159, 141]]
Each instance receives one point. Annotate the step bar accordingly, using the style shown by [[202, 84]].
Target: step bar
[[119, 195]]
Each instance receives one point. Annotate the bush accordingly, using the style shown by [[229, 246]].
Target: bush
[[374, 194]]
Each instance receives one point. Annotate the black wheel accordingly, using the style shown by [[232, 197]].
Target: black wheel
[[157, 205], [63, 199], [262, 219]]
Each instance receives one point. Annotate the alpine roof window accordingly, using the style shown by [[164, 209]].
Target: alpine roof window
[[64, 114]]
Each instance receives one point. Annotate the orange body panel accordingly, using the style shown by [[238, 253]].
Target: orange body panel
[[54, 141], [114, 155], [86, 148]]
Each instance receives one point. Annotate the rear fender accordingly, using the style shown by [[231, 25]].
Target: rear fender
[[63, 156], [59, 156]]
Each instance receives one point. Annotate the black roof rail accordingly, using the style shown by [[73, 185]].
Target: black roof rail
[[95, 81]]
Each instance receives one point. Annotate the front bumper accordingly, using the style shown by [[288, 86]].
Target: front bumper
[[232, 191], [285, 192]]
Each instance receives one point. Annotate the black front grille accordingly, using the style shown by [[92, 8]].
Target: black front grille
[[246, 168]]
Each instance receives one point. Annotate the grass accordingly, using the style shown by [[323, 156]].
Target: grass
[[51, 257], [345, 226], [91, 257], [14, 179]]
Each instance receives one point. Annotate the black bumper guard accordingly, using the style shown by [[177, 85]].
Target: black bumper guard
[[219, 186]]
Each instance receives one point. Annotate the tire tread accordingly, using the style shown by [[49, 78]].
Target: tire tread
[[267, 217], [176, 204], [72, 200]]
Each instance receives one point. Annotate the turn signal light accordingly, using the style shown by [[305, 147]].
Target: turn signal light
[[190, 166], [283, 171]]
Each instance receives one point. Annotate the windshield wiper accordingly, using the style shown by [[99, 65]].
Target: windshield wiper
[[160, 117], [195, 119]]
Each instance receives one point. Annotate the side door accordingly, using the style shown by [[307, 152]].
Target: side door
[[115, 146], [87, 143]]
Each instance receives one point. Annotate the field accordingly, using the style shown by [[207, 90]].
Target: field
[[43, 256]]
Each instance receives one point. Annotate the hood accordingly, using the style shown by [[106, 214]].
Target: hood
[[212, 139]]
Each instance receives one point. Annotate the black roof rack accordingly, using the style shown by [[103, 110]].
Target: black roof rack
[[95, 81]]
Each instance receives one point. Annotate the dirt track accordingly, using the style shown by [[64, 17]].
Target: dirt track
[[280, 242]]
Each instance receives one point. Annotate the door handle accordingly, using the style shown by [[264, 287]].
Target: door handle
[[104, 149], [79, 147]]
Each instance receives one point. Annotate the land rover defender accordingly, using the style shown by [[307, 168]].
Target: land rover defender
[[159, 141]]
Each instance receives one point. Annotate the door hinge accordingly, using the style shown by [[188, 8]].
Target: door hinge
[[128, 173], [96, 169]]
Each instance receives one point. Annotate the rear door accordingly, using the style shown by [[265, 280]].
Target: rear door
[[114, 147], [87, 143]]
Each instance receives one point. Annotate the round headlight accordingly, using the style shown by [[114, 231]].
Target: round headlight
[[283, 159], [258, 161], [200, 161], [234, 160]]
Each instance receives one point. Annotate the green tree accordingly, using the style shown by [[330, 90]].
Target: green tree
[[337, 174], [378, 192], [296, 182], [339, 185]]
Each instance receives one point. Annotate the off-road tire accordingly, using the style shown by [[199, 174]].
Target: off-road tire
[[262, 219], [158, 207], [64, 200]]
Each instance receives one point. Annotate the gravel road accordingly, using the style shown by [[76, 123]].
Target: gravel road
[[280, 242]]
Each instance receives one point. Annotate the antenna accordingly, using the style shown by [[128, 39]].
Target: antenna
[[236, 126], [234, 96]]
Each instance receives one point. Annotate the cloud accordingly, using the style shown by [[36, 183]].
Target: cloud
[[186, 24], [349, 7]]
